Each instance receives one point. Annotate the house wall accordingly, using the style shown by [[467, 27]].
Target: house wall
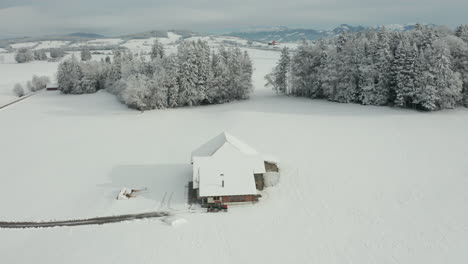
[[230, 199], [271, 167], [239, 199], [259, 181]]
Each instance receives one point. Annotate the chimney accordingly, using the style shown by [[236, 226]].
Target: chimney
[[223, 184]]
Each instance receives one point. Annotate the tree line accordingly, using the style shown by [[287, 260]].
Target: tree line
[[425, 68], [193, 75]]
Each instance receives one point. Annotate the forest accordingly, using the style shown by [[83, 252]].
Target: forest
[[425, 68], [194, 75]]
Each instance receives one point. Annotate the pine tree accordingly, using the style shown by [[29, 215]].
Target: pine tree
[[406, 75], [157, 50], [169, 81], [426, 96], [218, 87], [69, 76], [281, 73], [188, 79], [86, 54], [137, 93], [462, 32], [246, 85], [448, 83]]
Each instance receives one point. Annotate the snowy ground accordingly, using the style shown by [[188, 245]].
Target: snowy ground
[[23, 45], [51, 44], [12, 72], [360, 184]]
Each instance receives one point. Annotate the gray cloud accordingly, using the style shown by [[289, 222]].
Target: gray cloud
[[38, 17]]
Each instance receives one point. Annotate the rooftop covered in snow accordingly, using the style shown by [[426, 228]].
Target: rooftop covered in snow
[[226, 166]]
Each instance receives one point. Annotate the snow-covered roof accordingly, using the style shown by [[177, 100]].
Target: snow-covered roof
[[230, 157], [210, 147], [225, 179], [51, 85]]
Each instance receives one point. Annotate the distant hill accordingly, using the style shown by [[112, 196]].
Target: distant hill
[[86, 35], [285, 34]]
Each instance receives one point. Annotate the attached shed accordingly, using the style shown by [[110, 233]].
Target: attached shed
[[224, 171]]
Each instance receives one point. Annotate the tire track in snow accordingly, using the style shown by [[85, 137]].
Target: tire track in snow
[[20, 99], [81, 222]]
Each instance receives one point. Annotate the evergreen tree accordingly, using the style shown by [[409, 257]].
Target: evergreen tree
[[281, 73], [448, 83], [169, 81], [462, 32], [406, 75], [86, 54], [157, 50], [69, 76]]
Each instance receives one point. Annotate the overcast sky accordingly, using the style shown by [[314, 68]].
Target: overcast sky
[[39, 17]]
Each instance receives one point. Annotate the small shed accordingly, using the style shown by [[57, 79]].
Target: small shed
[[52, 87], [224, 171]]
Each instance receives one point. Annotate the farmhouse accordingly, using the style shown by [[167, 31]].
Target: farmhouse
[[225, 171], [52, 87], [273, 43]]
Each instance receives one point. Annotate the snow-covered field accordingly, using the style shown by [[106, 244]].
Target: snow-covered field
[[23, 45], [144, 45], [51, 44], [12, 73], [360, 184]]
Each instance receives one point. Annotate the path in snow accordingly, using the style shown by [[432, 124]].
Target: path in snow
[[81, 222], [20, 99]]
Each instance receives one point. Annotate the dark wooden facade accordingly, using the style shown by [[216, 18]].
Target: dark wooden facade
[[231, 199]]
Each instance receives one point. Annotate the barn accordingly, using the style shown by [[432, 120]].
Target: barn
[[224, 171], [52, 87]]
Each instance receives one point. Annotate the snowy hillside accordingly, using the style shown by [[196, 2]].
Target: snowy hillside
[[51, 44], [27, 45], [359, 184]]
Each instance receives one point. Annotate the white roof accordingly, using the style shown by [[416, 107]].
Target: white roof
[[229, 156], [51, 85], [210, 147], [237, 180]]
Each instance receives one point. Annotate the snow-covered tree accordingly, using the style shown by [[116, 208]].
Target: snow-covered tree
[[448, 82], [191, 76], [24, 55], [462, 32], [169, 80], [280, 77], [137, 93], [459, 52], [157, 50], [69, 76], [18, 90], [85, 54], [425, 68], [406, 59], [188, 78], [218, 87], [39, 83], [40, 55], [57, 53]]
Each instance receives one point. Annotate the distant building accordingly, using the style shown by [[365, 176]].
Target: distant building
[[52, 87], [225, 171], [273, 43]]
